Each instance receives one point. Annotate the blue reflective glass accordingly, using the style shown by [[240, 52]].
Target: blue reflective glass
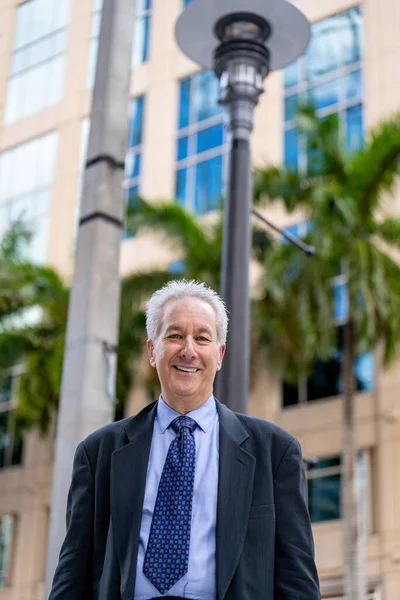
[[354, 128], [182, 149], [205, 96], [324, 498], [212, 137], [292, 74], [180, 188], [353, 85], [341, 301], [351, 35], [291, 105], [184, 103], [136, 122], [364, 371], [141, 40], [323, 53], [325, 95], [186, 2], [291, 151], [133, 165], [208, 185], [142, 6], [177, 267]]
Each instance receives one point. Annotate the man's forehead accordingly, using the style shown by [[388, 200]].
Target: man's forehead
[[196, 309]]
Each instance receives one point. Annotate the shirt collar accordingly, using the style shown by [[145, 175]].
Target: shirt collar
[[202, 415]]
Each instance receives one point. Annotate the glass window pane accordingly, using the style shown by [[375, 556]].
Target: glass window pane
[[364, 372], [212, 137], [325, 379], [180, 188], [184, 103], [323, 52], [291, 151], [292, 74], [136, 122], [325, 95], [324, 498], [133, 165], [351, 39], [182, 150], [205, 96], [143, 5], [12, 104], [24, 20], [291, 105], [325, 463], [208, 185], [353, 85], [42, 22], [354, 128], [55, 80], [92, 62], [141, 40], [95, 24]]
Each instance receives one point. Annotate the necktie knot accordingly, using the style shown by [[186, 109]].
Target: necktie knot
[[180, 422]]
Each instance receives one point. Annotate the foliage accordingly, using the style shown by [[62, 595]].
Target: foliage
[[344, 197]]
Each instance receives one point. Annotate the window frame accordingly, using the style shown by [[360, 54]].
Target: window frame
[[52, 59], [191, 131], [302, 90]]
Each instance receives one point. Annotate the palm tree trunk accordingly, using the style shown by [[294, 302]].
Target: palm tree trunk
[[351, 537]]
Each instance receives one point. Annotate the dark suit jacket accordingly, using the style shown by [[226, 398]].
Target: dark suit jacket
[[264, 544]]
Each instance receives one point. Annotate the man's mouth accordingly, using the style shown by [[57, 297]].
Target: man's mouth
[[186, 369]]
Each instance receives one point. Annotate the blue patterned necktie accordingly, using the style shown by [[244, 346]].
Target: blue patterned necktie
[[167, 553]]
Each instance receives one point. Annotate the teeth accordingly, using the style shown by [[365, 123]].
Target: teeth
[[186, 369]]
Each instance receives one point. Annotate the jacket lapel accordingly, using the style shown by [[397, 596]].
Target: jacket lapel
[[128, 481], [235, 489]]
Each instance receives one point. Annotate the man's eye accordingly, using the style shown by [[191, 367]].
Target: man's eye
[[201, 338], [174, 336]]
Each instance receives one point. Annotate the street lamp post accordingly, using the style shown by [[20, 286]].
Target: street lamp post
[[242, 41]]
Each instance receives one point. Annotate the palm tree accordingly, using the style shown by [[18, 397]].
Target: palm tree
[[344, 197], [33, 317], [33, 307]]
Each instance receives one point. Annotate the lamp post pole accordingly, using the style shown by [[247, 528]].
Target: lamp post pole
[[88, 382], [242, 41]]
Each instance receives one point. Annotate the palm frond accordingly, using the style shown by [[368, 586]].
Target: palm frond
[[374, 169]]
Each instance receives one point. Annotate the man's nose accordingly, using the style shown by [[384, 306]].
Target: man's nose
[[188, 349]]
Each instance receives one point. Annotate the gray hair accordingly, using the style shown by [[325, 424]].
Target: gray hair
[[183, 288]]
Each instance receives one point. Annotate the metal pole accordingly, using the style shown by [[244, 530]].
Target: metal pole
[[233, 380], [87, 392]]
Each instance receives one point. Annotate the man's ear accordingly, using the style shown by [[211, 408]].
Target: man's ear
[[150, 353], [221, 356]]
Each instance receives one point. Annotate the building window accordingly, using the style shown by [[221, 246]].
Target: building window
[[26, 178], [7, 531], [324, 481], [201, 144], [330, 75], [133, 162], [10, 444], [141, 33], [325, 380], [94, 42], [38, 60]]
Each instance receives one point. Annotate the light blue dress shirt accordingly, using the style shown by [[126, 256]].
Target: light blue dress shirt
[[199, 581]]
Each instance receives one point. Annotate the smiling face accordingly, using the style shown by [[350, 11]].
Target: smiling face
[[186, 353]]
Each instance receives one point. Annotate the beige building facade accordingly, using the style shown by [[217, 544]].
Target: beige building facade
[[177, 149]]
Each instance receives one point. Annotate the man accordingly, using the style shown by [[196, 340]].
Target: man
[[187, 499]]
